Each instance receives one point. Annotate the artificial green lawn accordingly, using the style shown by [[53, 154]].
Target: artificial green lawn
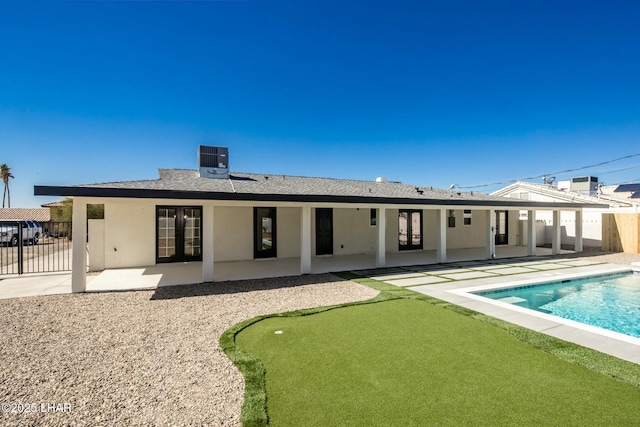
[[410, 362]]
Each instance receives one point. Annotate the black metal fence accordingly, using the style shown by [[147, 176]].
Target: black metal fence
[[29, 247]]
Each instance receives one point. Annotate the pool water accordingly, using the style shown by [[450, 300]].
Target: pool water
[[611, 302]]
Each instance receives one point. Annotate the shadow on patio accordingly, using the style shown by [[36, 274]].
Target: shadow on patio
[[163, 275], [240, 286]]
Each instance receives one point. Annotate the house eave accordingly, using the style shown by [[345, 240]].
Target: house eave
[[140, 193]]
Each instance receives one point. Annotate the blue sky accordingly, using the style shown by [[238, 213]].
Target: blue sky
[[428, 92]]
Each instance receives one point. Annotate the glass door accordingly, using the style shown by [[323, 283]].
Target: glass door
[[409, 229], [166, 246], [502, 227], [192, 232], [178, 233], [324, 231], [264, 232]]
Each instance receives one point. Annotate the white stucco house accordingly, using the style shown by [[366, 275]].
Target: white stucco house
[[608, 199], [247, 225]]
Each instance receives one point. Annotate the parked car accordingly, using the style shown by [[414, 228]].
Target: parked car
[[9, 235]]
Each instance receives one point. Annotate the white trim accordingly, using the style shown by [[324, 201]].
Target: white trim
[[381, 249], [305, 240], [207, 243], [79, 245], [441, 239], [578, 247], [556, 236], [491, 234], [531, 232]]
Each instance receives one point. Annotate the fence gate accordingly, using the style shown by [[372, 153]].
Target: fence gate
[[24, 249]]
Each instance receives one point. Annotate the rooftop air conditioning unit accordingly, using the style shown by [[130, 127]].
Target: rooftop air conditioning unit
[[213, 162], [585, 185]]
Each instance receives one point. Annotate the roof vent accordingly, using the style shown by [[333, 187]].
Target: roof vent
[[381, 179], [213, 162]]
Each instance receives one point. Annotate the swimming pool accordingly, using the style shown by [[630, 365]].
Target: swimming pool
[[609, 301]]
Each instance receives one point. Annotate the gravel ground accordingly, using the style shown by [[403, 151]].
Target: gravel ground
[[595, 254], [148, 357], [140, 358]]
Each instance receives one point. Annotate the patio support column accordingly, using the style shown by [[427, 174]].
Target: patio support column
[[79, 246], [207, 243], [441, 239], [531, 233], [556, 237], [491, 234], [578, 239], [381, 252], [305, 241]]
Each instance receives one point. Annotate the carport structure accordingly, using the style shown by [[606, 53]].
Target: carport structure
[[257, 225]]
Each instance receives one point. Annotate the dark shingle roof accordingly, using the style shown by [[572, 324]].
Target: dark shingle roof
[[249, 183], [187, 184]]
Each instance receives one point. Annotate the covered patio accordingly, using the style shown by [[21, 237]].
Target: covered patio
[[186, 228], [150, 277]]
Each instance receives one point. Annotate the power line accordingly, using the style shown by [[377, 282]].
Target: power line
[[617, 170], [552, 173], [628, 181]]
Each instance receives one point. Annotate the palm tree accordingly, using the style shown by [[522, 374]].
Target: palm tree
[[5, 172]]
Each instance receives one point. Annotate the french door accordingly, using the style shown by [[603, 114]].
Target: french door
[[502, 227], [264, 233], [324, 231], [178, 233], [409, 229]]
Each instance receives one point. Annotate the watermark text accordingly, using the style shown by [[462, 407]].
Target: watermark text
[[23, 408]]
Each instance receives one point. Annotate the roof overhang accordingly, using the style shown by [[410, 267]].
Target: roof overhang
[[139, 193]]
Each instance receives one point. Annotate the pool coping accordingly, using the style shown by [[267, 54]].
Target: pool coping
[[609, 342]]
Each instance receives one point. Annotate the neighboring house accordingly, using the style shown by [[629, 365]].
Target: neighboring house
[[623, 194], [35, 214], [55, 210], [242, 225], [49, 216], [610, 201], [38, 214]]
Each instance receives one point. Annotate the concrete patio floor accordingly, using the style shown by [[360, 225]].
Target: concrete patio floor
[[150, 277], [454, 282], [189, 273]]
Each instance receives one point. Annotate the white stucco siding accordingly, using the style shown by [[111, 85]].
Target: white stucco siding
[[467, 236], [288, 232], [233, 233], [515, 232], [429, 229], [352, 232], [129, 234], [542, 198], [591, 226], [392, 232], [96, 244], [591, 221], [460, 236], [130, 230]]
